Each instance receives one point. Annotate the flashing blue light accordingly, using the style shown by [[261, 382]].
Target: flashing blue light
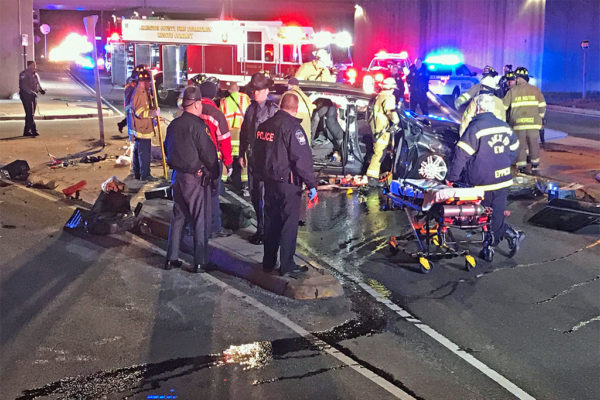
[[445, 56], [431, 67], [86, 62], [79, 8]]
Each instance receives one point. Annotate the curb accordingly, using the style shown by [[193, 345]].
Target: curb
[[573, 110], [108, 113], [316, 285]]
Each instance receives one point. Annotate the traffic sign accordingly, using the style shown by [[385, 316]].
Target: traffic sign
[[45, 29]]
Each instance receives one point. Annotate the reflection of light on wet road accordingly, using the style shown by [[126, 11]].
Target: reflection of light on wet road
[[250, 355]]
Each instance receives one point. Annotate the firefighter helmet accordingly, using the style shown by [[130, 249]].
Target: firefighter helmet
[[389, 83], [489, 82], [489, 71], [522, 72], [201, 78], [144, 75], [510, 76]]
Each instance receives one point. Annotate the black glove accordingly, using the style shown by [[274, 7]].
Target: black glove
[[42, 91]]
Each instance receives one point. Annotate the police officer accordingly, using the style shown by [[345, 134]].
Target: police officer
[[259, 111], [418, 80], [485, 153], [192, 155], [283, 160], [317, 69], [381, 120], [143, 115], [29, 87], [526, 109]]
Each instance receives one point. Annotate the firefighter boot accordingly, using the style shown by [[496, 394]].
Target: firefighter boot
[[487, 253], [514, 239]]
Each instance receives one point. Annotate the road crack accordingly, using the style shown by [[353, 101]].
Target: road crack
[[582, 324], [571, 288]]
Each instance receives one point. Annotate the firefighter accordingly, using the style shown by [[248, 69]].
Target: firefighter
[[474, 90], [507, 80], [305, 106], [283, 160], [526, 109], [127, 97], [381, 121], [191, 153], [234, 107], [485, 153], [259, 111], [219, 129], [29, 87], [488, 85], [143, 127], [418, 80], [317, 69]]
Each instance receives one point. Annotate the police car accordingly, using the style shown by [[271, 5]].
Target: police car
[[449, 77], [380, 68]]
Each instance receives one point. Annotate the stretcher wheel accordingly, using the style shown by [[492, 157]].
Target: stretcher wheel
[[425, 264], [436, 240], [393, 245], [470, 262]]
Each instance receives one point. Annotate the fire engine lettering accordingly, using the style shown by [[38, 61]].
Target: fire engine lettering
[[199, 29], [165, 35], [149, 28], [266, 136], [184, 35], [167, 28]]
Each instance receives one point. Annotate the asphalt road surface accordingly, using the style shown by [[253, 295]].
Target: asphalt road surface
[[578, 125]]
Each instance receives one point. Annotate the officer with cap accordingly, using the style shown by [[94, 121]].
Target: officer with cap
[[381, 121], [29, 87], [192, 155], [259, 111], [317, 69], [526, 110], [283, 160]]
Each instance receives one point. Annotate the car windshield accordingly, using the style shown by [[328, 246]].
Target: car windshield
[[387, 63], [439, 69]]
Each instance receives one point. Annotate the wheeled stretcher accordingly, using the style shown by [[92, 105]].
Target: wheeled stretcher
[[433, 210]]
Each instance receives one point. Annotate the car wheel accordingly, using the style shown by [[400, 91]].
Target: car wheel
[[165, 96], [432, 166], [455, 94]]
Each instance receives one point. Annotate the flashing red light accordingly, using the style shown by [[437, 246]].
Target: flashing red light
[[114, 37], [444, 79], [403, 55], [379, 77]]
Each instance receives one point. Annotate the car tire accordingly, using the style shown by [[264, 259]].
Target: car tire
[[455, 95], [165, 96]]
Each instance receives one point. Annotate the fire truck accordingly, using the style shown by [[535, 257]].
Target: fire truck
[[177, 50]]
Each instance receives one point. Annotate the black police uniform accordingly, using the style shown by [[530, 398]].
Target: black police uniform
[[189, 149], [418, 79], [283, 160], [256, 114], [29, 86], [485, 152]]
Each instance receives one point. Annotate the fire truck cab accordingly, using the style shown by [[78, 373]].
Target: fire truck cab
[[232, 51]]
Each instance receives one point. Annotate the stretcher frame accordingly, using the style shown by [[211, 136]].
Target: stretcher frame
[[433, 232]]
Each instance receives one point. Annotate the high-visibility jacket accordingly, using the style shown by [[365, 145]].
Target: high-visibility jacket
[[313, 71], [305, 109], [526, 107], [221, 140], [384, 112], [143, 114], [234, 107]]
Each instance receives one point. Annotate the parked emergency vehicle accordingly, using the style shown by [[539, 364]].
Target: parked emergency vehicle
[[231, 51], [380, 68]]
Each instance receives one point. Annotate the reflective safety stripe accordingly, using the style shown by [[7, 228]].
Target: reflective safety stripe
[[535, 160], [527, 127], [141, 135], [525, 103], [493, 131], [468, 149], [244, 177], [382, 140], [521, 163], [525, 120], [235, 142], [542, 104], [223, 137], [514, 146], [371, 173], [495, 186]]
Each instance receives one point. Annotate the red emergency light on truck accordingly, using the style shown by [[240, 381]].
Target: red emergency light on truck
[[229, 50]]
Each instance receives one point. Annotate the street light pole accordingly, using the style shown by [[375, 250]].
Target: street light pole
[[584, 46]]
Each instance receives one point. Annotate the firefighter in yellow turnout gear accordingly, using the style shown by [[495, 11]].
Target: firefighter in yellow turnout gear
[[384, 116], [526, 108], [234, 107]]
